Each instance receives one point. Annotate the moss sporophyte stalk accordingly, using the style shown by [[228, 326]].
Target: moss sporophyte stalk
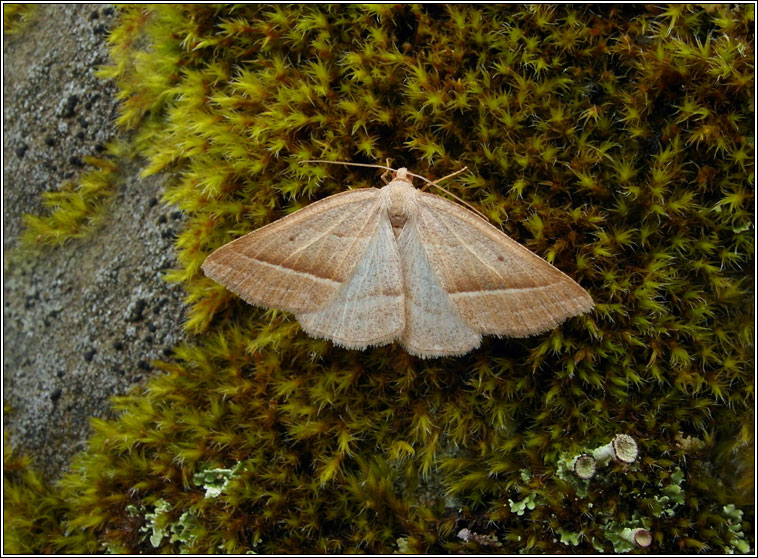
[[615, 141]]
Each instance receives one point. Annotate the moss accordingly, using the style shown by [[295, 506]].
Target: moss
[[35, 510], [16, 17], [76, 209], [614, 141]]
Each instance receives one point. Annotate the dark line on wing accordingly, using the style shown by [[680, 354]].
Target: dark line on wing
[[296, 271], [470, 251], [502, 278], [508, 290]]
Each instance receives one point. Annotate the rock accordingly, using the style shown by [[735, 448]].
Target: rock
[[87, 288]]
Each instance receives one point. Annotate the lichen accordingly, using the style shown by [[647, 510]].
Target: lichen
[[615, 141]]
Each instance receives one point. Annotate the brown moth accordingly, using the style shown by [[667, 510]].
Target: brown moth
[[371, 266]]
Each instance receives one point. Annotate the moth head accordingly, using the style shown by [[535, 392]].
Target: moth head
[[402, 174]]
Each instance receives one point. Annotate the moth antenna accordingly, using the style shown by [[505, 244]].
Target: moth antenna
[[429, 182], [347, 164]]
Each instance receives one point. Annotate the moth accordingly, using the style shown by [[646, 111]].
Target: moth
[[373, 266]]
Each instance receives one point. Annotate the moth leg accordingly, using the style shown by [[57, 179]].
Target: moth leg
[[386, 172], [436, 182]]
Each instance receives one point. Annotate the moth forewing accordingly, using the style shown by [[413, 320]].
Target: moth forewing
[[497, 285], [299, 262]]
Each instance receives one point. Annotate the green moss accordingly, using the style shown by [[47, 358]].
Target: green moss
[[35, 510], [614, 141], [76, 209], [16, 17]]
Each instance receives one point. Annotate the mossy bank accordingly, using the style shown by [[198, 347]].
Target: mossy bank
[[615, 142]]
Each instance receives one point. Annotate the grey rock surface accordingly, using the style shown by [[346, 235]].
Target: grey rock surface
[[82, 322]]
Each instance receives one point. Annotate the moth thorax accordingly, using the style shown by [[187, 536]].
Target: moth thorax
[[398, 207]]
